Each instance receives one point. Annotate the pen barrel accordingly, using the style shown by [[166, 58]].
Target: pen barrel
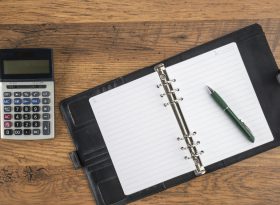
[[234, 118], [242, 127], [217, 98]]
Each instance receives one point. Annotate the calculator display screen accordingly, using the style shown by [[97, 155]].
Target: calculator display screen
[[12, 67]]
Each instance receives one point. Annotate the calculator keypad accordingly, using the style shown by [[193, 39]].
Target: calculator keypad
[[27, 113]]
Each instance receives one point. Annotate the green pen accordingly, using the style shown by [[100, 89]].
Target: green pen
[[241, 125]]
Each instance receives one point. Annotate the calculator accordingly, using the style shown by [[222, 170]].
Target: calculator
[[27, 94]]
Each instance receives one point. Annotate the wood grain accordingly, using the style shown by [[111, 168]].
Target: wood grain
[[98, 41], [89, 11]]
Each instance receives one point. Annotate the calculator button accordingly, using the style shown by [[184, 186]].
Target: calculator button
[[8, 132], [46, 93], [26, 124], [18, 108], [35, 124], [26, 108], [26, 101], [36, 132], [36, 116], [18, 124], [26, 94], [46, 116], [7, 94], [46, 100], [7, 101], [18, 132], [7, 109], [35, 94], [17, 101], [7, 116], [35, 101], [17, 94], [18, 116], [7, 124], [35, 109], [26, 116], [46, 108], [27, 132], [46, 127]]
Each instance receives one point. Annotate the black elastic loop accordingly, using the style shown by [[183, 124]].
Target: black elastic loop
[[278, 76], [75, 160]]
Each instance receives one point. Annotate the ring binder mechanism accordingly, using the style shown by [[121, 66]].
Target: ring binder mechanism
[[173, 101]]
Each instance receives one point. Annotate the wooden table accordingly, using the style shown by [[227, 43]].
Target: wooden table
[[97, 41]]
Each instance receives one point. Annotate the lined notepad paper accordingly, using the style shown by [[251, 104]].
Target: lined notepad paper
[[140, 133], [224, 71]]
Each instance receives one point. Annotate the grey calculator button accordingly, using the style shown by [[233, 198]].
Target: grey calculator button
[[36, 132], [35, 108], [46, 116], [26, 124], [46, 127], [46, 108], [27, 131], [26, 116], [26, 108], [18, 116], [7, 94], [7, 109], [18, 124], [17, 108], [17, 94], [35, 116], [36, 124], [18, 132], [26, 94], [46, 93], [46, 100], [8, 131], [35, 94]]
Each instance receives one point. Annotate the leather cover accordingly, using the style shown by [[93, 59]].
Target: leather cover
[[92, 155]]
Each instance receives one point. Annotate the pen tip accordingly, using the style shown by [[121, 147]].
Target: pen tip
[[210, 89]]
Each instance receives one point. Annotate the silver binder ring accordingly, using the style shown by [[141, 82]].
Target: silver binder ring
[[173, 91], [193, 134], [166, 104], [170, 92], [158, 85], [170, 81], [172, 102], [190, 135], [180, 138], [198, 154], [194, 144], [187, 157], [177, 100], [185, 137]]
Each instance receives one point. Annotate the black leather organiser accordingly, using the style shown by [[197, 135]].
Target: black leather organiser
[[92, 155]]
